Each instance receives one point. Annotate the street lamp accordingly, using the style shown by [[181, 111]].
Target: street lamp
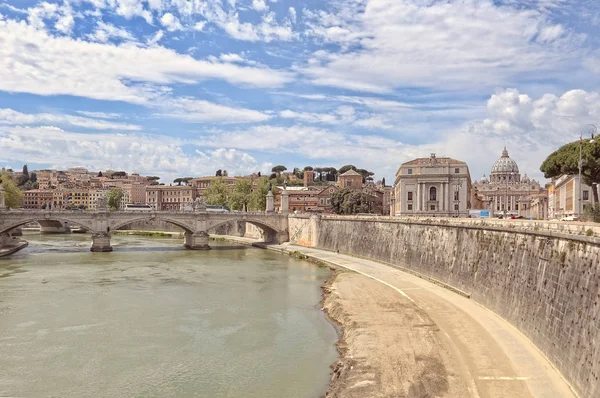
[[589, 129]]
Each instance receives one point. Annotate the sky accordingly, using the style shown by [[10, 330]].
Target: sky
[[185, 87]]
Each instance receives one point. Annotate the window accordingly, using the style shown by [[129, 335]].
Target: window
[[456, 170], [586, 195], [432, 207], [455, 207], [432, 193], [456, 195], [410, 195], [409, 171], [410, 206], [517, 206]]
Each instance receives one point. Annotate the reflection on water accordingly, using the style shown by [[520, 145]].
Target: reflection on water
[[152, 319]]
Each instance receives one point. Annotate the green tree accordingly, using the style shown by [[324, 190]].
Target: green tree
[[308, 168], [115, 195], [217, 193], [30, 185], [331, 173], [153, 180], [279, 169], [13, 195], [349, 201], [258, 197], [219, 173], [566, 161], [383, 181], [345, 168], [318, 173], [365, 174], [178, 181], [241, 194], [26, 171]]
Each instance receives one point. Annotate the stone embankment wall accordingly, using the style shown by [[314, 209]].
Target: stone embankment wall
[[546, 283]]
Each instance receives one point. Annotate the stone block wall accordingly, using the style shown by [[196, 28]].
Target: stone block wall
[[547, 284]]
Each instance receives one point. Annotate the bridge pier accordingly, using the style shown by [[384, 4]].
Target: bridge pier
[[101, 242], [276, 237], [196, 241]]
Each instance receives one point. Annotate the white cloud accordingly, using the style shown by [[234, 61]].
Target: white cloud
[[199, 26], [268, 29], [12, 117], [132, 8], [231, 58], [259, 5], [530, 128], [106, 31], [388, 44], [293, 14], [101, 115], [156, 37], [193, 110], [170, 22], [32, 61], [150, 155]]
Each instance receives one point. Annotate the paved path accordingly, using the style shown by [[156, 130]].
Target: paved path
[[495, 358]]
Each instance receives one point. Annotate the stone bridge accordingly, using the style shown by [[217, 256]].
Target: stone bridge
[[195, 224]]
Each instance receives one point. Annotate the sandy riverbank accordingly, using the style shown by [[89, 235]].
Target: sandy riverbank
[[389, 347]]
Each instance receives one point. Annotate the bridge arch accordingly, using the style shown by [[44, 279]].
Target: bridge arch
[[5, 228], [115, 225], [271, 232]]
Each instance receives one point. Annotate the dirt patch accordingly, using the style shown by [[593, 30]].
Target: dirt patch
[[388, 346]]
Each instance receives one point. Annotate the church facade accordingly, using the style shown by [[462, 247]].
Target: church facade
[[432, 187], [506, 193]]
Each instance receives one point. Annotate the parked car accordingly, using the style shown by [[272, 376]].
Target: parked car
[[570, 218]]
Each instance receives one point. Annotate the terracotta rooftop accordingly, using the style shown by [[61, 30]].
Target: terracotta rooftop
[[350, 172]]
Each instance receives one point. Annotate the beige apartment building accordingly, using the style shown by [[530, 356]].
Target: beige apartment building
[[433, 187], [37, 198], [162, 197], [563, 197]]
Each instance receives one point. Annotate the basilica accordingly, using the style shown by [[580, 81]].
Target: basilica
[[506, 193]]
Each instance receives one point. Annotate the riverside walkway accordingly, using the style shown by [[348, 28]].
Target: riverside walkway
[[485, 355]]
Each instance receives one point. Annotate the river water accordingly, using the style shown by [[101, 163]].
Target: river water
[[151, 319]]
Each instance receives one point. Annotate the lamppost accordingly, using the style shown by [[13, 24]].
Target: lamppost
[[589, 129]]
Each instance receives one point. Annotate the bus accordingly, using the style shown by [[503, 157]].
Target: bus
[[137, 207], [217, 209]]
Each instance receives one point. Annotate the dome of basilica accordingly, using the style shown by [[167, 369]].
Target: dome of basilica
[[505, 164]]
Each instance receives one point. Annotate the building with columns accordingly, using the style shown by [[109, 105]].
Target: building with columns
[[435, 187], [506, 193]]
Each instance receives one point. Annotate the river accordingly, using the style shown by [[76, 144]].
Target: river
[[151, 319]]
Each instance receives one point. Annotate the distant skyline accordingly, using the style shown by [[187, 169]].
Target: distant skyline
[[186, 87]]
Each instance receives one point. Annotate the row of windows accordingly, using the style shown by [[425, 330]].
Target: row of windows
[[432, 194], [456, 171], [432, 207]]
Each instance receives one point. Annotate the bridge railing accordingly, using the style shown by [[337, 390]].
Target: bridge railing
[[60, 211]]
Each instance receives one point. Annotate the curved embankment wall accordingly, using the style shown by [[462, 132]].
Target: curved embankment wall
[[547, 284]]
